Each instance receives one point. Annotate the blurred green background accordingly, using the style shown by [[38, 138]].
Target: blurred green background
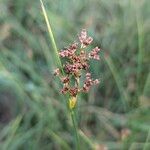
[[114, 115]]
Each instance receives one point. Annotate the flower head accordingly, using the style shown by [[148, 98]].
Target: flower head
[[77, 61]]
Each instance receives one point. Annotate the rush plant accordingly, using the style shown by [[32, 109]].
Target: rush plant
[[76, 65]]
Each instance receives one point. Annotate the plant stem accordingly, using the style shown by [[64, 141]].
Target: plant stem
[[73, 117]]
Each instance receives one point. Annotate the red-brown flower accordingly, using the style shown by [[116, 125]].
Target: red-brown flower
[[84, 39], [77, 60], [94, 53]]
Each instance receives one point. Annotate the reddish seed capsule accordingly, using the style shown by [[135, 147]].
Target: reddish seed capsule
[[64, 90], [65, 79], [94, 53]]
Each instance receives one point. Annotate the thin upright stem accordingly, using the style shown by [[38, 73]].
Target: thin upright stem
[[74, 121]]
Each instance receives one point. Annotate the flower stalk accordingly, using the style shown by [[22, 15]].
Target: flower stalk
[[74, 122]]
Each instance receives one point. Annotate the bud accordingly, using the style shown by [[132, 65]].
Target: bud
[[56, 72]]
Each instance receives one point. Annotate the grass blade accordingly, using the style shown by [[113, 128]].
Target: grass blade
[[58, 61], [140, 33], [14, 127], [147, 144], [123, 94], [147, 85]]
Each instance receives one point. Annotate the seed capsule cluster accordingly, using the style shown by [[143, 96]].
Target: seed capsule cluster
[[77, 62]]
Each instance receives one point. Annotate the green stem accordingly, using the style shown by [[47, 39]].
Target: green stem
[[73, 117]]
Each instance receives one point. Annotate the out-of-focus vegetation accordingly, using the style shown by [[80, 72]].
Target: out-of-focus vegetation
[[115, 115]]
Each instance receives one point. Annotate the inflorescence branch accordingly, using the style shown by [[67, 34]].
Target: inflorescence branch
[[77, 62]]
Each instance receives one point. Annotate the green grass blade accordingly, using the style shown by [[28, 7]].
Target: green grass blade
[[87, 140], [140, 33], [147, 144], [13, 130], [51, 35], [124, 96], [147, 85], [58, 139]]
